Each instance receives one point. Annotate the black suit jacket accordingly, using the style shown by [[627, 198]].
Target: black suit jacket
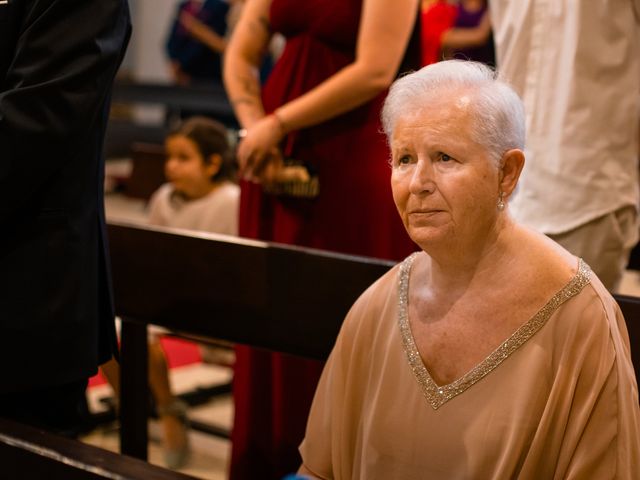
[[58, 59]]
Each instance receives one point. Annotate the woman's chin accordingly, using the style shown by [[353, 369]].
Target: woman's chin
[[431, 237]]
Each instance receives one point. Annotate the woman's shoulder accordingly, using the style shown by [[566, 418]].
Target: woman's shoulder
[[379, 299], [387, 282], [537, 263], [587, 310]]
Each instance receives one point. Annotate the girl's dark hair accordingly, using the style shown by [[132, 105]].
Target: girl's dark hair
[[211, 138]]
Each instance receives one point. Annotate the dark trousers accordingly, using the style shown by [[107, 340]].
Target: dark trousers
[[60, 409]]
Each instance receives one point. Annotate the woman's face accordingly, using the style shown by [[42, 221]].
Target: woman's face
[[445, 185], [185, 167]]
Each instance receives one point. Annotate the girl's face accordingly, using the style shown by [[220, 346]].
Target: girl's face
[[186, 168]]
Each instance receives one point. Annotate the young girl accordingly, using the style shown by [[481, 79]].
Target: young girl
[[200, 194]]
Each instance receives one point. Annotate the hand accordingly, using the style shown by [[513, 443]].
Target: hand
[[179, 77], [271, 170], [258, 144], [188, 21], [201, 32], [196, 28]]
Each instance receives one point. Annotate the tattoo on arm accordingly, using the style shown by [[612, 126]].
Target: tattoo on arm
[[260, 27], [245, 100], [249, 85], [249, 94], [264, 21]]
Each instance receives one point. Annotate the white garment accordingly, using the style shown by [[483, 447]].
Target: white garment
[[576, 65], [216, 212]]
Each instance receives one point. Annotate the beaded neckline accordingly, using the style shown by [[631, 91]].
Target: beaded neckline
[[438, 395]]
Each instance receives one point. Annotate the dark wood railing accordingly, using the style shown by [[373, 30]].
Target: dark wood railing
[[30, 453], [266, 295], [270, 296]]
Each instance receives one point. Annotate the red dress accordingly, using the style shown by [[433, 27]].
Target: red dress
[[436, 19], [354, 213]]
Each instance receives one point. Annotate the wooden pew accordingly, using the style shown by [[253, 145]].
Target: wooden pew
[[121, 134], [147, 172], [277, 297], [30, 453], [208, 97], [271, 296], [262, 294]]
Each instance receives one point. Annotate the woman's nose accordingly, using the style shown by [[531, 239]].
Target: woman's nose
[[423, 178]]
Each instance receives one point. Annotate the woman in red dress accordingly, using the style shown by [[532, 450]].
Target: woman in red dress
[[321, 107]]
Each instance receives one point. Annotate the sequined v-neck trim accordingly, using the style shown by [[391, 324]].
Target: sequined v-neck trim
[[438, 395]]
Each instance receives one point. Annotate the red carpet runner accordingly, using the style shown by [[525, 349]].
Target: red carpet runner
[[179, 352]]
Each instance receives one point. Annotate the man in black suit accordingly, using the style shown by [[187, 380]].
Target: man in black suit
[[58, 59]]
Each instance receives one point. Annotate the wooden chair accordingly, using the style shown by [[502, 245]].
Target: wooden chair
[[147, 173]]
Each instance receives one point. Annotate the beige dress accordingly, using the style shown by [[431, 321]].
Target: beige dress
[[558, 399]]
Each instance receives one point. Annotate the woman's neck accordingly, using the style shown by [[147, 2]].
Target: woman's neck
[[458, 266]]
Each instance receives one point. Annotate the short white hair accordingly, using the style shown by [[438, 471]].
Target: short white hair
[[498, 112]]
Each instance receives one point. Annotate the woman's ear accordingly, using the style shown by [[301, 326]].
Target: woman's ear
[[212, 167], [511, 166]]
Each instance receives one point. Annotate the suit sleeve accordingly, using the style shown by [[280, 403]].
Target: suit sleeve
[[55, 88]]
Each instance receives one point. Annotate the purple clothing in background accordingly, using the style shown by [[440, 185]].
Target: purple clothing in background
[[467, 19]]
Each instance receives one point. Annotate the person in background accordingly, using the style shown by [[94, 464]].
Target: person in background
[[196, 42], [317, 115], [577, 67], [201, 195], [447, 28], [56, 313], [493, 353], [472, 14]]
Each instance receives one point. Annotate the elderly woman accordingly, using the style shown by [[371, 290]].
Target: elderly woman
[[493, 353]]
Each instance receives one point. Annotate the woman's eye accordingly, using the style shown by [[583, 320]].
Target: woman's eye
[[445, 158], [404, 160]]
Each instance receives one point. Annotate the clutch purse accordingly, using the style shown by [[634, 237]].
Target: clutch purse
[[295, 180]]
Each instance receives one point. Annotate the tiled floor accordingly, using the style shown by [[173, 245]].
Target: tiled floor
[[210, 454]]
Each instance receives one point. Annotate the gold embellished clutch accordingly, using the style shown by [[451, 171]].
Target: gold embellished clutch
[[295, 180]]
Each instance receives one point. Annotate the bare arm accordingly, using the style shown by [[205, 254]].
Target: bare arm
[[383, 34], [203, 33], [242, 60]]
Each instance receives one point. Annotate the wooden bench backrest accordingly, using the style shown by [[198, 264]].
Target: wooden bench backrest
[[27, 452]]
